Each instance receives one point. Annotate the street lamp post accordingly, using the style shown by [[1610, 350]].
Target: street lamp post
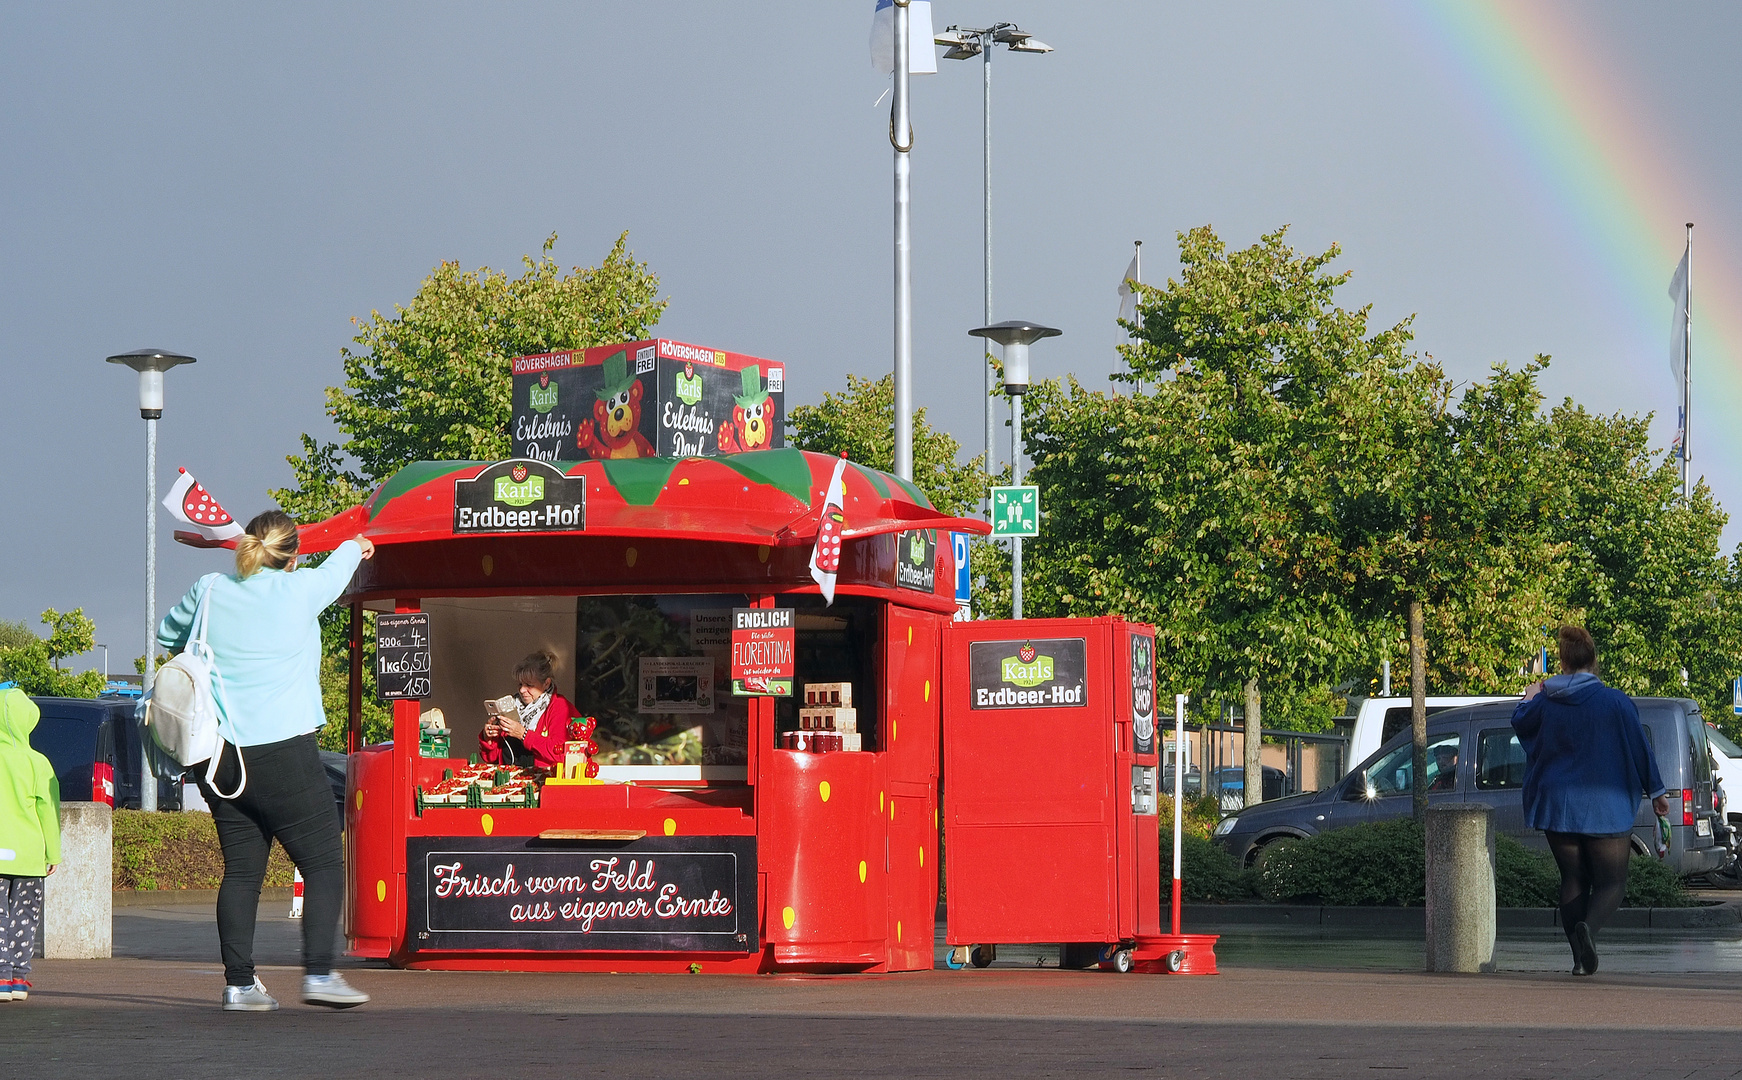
[[965, 43], [151, 364], [105, 649], [1015, 335]]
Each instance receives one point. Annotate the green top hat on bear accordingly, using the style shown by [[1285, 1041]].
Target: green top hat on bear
[[750, 381], [617, 377]]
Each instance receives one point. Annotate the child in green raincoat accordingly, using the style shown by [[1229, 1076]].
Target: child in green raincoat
[[29, 838]]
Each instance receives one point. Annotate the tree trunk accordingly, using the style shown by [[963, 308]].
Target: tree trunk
[[1418, 707], [1254, 745]]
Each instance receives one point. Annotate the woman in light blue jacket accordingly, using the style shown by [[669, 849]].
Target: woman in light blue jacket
[[265, 636]]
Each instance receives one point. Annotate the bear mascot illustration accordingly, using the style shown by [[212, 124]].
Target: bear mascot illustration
[[615, 430], [752, 423]]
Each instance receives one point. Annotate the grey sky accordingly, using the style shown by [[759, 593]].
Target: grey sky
[[238, 181]]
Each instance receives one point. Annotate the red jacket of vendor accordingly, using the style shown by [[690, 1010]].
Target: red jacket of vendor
[[544, 738]]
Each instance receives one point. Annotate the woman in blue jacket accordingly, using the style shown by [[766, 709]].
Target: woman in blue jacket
[[1587, 762], [264, 631]]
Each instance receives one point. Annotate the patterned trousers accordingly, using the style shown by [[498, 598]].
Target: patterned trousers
[[20, 912]]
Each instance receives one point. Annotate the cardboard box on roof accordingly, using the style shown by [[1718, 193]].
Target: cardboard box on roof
[[646, 398]]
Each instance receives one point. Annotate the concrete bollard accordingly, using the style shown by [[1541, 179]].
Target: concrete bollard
[[1460, 887], [78, 898]]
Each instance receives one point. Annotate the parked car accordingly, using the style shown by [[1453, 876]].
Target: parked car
[[1377, 719], [1230, 783], [1474, 756], [1728, 757], [93, 744], [1194, 780]]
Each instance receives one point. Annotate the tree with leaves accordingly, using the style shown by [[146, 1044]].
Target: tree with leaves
[[432, 382], [1229, 472], [860, 423], [35, 665]]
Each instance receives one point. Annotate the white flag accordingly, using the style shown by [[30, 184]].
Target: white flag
[[1128, 295], [1678, 344], [922, 59], [826, 555], [193, 506]]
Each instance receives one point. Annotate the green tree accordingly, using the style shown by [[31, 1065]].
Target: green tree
[[860, 422], [14, 634], [1645, 573], [432, 382], [35, 665], [1214, 499]]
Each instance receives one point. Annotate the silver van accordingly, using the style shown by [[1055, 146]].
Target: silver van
[[1474, 756]]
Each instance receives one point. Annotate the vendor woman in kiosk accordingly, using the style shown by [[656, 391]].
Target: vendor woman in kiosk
[[534, 737]]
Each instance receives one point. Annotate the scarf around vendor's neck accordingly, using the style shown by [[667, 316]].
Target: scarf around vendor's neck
[[530, 714]]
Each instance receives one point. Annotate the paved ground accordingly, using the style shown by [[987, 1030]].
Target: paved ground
[[1287, 1005]]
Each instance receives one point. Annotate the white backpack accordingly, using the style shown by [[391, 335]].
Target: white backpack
[[181, 713]]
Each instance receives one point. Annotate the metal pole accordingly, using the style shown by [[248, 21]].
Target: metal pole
[[1179, 787], [986, 175], [1688, 365], [901, 135], [1016, 480], [147, 778]]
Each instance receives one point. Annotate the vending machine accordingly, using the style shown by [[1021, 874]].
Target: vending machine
[[1050, 785]]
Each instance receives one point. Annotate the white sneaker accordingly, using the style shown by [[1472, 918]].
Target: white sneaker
[[249, 998], [331, 990]]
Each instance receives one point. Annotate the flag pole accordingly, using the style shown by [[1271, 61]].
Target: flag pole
[[1688, 361], [1138, 244]]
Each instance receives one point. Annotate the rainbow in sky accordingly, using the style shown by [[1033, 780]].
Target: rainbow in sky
[[1543, 78]]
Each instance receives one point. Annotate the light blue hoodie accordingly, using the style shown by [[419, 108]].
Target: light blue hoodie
[[266, 640]]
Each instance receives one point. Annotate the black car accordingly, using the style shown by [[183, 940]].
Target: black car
[[1473, 755], [79, 734]]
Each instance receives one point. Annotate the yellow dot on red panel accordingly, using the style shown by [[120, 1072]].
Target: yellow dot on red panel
[[629, 556], [381, 891], [891, 809], [892, 729], [489, 565], [922, 855], [684, 481], [762, 552], [787, 915], [823, 790], [861, 871], [879, 802], [928, 689], [910, 635], [670, 827], [897, 929], [359, 798], [489, 824]]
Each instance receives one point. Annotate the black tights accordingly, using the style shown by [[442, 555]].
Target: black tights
[[1593, 876]]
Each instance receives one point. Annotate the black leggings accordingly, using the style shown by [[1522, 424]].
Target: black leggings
[[287, 798], [1593, 876]]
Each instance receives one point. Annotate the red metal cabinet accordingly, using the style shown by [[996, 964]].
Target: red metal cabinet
[[1050, 754]]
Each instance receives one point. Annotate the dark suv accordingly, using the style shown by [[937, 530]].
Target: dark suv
[[1474, 756], [93, 739]]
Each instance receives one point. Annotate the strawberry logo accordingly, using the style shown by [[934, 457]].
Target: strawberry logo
[[519, 472], [689, 371], [1027, 654], [544, 378]]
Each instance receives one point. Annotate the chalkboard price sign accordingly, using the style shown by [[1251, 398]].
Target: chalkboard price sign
[[402, 655]]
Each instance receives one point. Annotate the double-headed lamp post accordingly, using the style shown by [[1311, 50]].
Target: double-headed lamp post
[[151, 364], [965, 43], [1015, 335]]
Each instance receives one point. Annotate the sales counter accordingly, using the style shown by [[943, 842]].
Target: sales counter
[[702, 843]]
